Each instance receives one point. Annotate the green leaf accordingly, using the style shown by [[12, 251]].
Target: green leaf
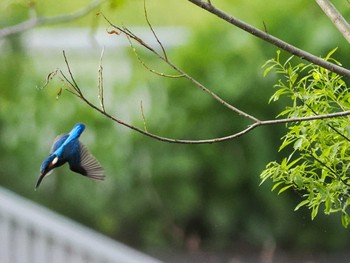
[[297, 144], [328, 205], [276, 185], [345, 220], [314, 211], [316, 76], [284, 188], [291, 164], [288, 60], [298, 180], [305, 202], [330, 53], [267, 70]]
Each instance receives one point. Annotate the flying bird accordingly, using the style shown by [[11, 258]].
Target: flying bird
[[68, 148]]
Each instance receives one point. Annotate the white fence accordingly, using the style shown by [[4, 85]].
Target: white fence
[[30, 233]]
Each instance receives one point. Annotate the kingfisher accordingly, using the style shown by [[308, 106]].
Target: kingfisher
[[68, 148]]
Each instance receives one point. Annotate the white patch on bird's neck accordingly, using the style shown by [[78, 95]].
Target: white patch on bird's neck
[[54, 161]]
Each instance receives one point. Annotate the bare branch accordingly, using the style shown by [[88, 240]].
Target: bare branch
[[215, 96], [74, 88], [337, 19], [153, 32], [271, 39], [35, 21], [147, 67], [143, 116], [131, 35]]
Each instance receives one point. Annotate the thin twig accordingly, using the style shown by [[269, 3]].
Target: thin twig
[[271, 39], [215, 96], [146, 66], [68, 84], [153, 32], [143, 117], [74, 85], [265, 28], [256, 124], [131, 35]]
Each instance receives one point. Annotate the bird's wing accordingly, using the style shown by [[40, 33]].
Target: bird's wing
[[64, 139], [74, 134], [59, 140], [88, 165]]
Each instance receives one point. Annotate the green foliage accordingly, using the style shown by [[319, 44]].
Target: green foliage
[[156, 195], [317, 162]]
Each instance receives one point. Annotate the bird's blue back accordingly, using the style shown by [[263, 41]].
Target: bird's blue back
[[62, 141], [60, 147]]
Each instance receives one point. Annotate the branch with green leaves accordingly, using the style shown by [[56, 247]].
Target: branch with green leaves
[[317, 164]]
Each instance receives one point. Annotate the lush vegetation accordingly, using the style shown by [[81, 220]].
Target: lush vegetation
[[160, 195]]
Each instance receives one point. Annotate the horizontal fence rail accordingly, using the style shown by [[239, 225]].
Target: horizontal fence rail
[[30, 233]]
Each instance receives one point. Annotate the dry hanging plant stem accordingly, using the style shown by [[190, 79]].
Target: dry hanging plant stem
[[100, 83]]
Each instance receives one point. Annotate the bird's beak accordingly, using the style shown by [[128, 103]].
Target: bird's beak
[[41, 177]]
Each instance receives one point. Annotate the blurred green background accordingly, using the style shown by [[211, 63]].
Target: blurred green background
[[161, 196]]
